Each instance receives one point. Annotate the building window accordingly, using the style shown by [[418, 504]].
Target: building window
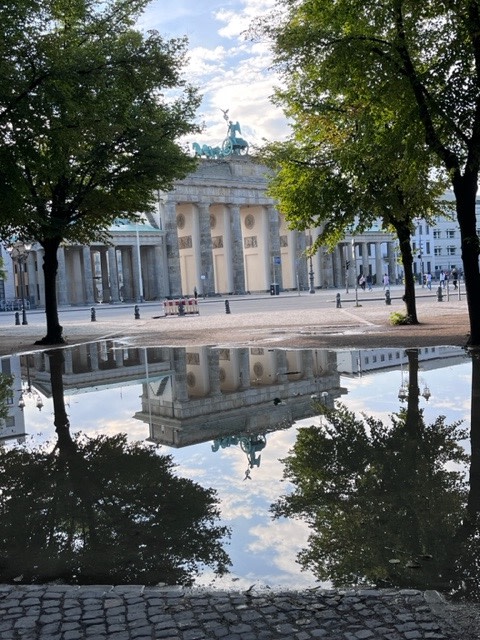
[[428, 247], [438, 251], [450, 233], [451, 251], [437, 234]]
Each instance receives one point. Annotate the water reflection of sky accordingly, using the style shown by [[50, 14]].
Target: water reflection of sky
[[263, 551]]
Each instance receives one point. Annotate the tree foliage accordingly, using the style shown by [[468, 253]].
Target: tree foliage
[[382, 505], [90, 113], [102, 510], [415, 68]]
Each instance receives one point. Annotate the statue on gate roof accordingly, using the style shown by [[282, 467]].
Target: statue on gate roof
[[232, 144]]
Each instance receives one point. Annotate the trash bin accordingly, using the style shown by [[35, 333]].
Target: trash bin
[[274, 289]]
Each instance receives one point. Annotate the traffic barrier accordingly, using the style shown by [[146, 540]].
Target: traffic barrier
[[182, 307]]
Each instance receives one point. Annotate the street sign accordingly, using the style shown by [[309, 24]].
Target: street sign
[[277, 260]]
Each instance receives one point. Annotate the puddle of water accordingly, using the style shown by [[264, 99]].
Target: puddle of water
[[190, 490]]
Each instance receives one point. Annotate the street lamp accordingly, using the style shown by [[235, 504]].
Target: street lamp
[[27, 392], [19, 251]]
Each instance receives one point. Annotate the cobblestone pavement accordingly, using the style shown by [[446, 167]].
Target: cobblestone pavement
[[58, 612]]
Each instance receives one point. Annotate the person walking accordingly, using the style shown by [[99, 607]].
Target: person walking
[[386, 281], [454, 277], [442, 278], [369, 282], [428, 279]]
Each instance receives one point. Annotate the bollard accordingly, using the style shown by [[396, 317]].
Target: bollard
[[339, 301], [227, 306], [93, 314], [439, 294], [17, 317], [388, 299], [181, 309], [136, 312]]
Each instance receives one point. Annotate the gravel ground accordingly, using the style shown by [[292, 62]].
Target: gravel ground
[[328, 327]]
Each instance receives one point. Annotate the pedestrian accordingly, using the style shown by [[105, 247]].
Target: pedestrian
[[454, 277], [369, 282], [361, 282], [428, 279], [386, 281], [442, 278], [195, 292]]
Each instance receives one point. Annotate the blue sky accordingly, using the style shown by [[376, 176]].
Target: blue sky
[[231, 71]]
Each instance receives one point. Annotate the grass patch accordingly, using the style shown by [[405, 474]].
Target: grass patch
[[399, 318]]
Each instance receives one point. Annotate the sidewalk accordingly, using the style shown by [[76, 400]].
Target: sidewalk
[[58, 612]]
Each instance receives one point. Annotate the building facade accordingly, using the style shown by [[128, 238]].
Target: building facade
[[217, 232]]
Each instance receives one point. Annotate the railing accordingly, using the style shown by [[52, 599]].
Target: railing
[[13, 305]]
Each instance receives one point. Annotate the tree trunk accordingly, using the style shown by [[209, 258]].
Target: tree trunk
[[403, 233], [465, 189], [50, 268]]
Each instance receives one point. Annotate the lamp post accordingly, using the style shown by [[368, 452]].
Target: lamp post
[[28, 392], [310, 273], [19, 251]]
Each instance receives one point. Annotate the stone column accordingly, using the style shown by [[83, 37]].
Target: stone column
[[274, 244], [88, 275], [161, 271], [93, 353], [67, 361], [237, 250], [62, 291], [206, 255], [180, 391], [281, 366], [365, 262], [113, 272], [104, 271], [41, 281], [392, 271], [128, 284], [298, 241], [307, 364], [244, 367], [173, 253], [136, 275], [338, 267], [228, 250], [214, 372], [327, 269], [119, 358], [379, 263]]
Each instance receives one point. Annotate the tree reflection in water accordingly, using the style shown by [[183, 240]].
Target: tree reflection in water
[[388, 503], [102, 510]]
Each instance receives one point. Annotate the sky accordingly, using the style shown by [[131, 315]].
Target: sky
[[231, 71]]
